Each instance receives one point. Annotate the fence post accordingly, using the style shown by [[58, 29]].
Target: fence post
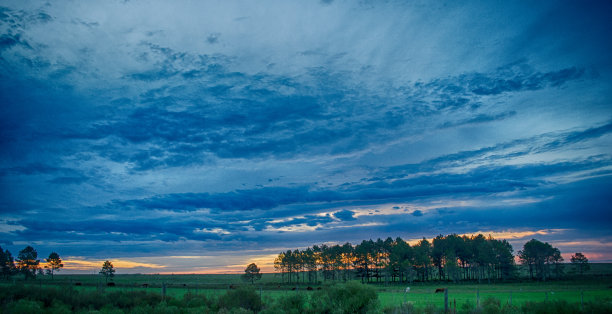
[[581, 298], [546, 296], [477, 297], [446, 300], [510, 297]]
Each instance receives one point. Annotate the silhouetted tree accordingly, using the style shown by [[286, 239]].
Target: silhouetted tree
[[539, 256], [7, 264], [450, 257], [27, 262], [580, 262], [107, 270], [251, 273], [54, 263], [363, 259], [504, 259], [422, 258]]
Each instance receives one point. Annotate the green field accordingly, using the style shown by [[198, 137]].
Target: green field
[[421, 294], [595, 286]]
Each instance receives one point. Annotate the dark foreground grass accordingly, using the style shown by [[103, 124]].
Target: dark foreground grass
[[341, 298]]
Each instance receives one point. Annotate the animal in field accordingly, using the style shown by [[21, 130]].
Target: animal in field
[[407, 290], [440, 290]]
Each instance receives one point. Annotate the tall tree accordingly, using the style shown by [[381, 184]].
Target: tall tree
[[504, 260], [27, 262], [580, 262], [422, 258], [251, 273], [438, 252], [539, 256], [108, 271], [346, 259], [7, 264], [54, 263], [280, 264]]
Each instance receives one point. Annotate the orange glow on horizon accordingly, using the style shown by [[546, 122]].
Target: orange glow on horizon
[[76, 264]]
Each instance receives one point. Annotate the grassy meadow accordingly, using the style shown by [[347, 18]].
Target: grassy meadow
[[595, 287]]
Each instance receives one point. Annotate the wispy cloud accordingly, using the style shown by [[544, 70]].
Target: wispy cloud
[[124, 128]]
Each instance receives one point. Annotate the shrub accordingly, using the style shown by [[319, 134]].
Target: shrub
[[404, 308], [348, 298], [491, 305], [553, 307], [25, 306], [511, 309], [432, 309], [58, 307], [243, 297], [191, 300], [237, 310], [292, 304], [599, 306]]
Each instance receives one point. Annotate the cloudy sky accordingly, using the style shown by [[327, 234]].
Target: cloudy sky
[[198, 136]]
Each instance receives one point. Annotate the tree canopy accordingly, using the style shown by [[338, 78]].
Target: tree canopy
[[251, 273], [450, 257], [54, 263], [7, 264], [542, 259], [27, 262], [580, 262], [108, 271]]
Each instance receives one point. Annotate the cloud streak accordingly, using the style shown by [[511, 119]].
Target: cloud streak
[[127, 126]]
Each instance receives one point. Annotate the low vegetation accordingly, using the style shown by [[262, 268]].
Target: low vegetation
[[352, 297]]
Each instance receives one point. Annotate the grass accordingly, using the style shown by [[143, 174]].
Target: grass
[[597, 287], [420, 294], [515, 293]]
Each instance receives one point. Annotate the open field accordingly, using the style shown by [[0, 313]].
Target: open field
[[597, 286], [208, 291]]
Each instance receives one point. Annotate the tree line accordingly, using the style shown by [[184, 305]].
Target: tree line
[[28, 264], [450, 258]]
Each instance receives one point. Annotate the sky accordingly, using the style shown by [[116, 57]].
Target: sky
[[200, 136]]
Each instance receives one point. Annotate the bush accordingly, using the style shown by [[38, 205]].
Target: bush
[[510, 309], [348, 298], [58, 307], [491, 305], [243, 297], [191, 300], [553, 307], [404, 308], [600, 306], [24, 306], [292, 304]]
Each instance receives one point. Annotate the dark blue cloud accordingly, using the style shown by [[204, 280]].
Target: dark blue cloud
[[345, 215], [156, 132]]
